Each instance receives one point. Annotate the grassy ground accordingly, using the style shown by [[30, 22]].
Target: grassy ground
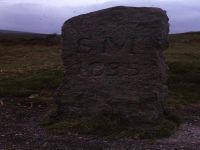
[[184, 74], [27, 69], [33, 66]]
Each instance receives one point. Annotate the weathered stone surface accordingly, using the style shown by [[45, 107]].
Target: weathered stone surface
[[114, 64]]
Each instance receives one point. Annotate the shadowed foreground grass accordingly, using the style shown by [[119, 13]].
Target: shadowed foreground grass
[[27, 69], [114, 128], [27, 83]]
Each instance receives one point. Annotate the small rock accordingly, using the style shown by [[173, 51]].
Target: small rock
[[45, 144], [33, 96], [27, 143], [18, 134], [1, 102]]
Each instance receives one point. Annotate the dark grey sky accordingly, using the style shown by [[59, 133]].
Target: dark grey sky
[[47, 16]]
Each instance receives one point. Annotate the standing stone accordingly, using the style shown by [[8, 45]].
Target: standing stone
[[114, 64]]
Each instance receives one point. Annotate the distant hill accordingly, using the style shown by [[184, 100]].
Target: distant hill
[[185, 38], [31, 34], [13, 32], [18, 32], [187, 33], [8, 37]]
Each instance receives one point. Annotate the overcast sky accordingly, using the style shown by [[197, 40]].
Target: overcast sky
[[47, 16]]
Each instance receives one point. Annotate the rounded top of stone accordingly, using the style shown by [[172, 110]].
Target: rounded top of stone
[[118, 21], [120, 11], [152, 9]]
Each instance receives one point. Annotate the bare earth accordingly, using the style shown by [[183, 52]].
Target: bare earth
[[19, 130]]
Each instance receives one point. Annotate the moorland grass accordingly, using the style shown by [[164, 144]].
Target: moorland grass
[[27, 69], [184, 69], [25, 84]]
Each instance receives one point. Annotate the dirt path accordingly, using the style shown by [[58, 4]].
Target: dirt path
[[19, 131]]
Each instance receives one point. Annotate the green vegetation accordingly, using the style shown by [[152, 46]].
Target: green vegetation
[[33, 66], [26, 68], [163, 128], [101, 126], [184, 74], [113, 127]]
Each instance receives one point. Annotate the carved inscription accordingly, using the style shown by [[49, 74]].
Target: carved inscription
[[106, 44], [107, 69], [84, 45], [109, 43], [112, 69], [97, 69], [132, 45]]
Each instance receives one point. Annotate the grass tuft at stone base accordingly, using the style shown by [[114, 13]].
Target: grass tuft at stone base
[[112, 127]]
